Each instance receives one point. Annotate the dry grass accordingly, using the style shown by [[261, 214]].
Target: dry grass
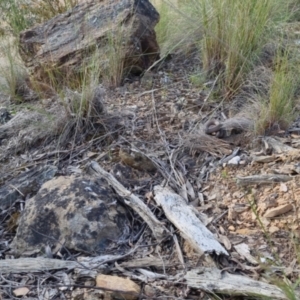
[[12, 71], [229, 34], [21, 14]]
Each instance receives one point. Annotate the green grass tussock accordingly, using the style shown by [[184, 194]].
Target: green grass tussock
[[277, 112], [229, 34]]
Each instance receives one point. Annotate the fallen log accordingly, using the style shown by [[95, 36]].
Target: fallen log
[[66, 43]]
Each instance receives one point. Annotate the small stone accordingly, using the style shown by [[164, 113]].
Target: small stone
[[231, 228], [22, 291], [150, 291]]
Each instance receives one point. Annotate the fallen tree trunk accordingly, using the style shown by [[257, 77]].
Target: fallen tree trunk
[[66, 43]]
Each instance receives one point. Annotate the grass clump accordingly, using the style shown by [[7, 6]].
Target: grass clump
[[15, 15], [234, 33], [12, 71], [21, 14], [277, 112], [229, 34], [112, 69], [167, 30]]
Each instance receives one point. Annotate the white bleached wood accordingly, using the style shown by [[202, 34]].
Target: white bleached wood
[[213, 280], [185, 220]]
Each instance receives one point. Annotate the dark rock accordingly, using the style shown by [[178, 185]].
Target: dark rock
[[62, 43], [78, 213]]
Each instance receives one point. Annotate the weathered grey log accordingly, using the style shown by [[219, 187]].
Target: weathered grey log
[[213, 281], [63, 43], [37, 264], [26, 183]]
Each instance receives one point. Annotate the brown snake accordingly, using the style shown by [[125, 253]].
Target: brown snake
[[212, 126]]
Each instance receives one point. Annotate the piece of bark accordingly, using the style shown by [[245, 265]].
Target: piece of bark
[[65, 43], [133, 201], [263, 179], [26, 183], [184, 219], [213, 280]]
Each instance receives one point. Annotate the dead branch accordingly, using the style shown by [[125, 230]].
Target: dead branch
[[133, 201], [263, 179]]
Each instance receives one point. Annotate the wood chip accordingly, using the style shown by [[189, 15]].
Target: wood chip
[[225, 241]]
